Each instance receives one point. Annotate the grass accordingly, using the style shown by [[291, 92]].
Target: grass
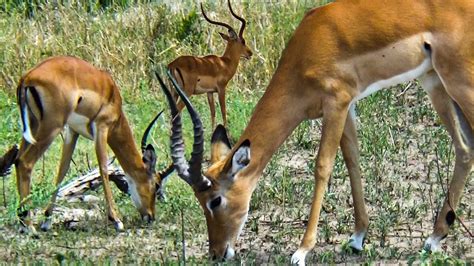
[[406, 155]]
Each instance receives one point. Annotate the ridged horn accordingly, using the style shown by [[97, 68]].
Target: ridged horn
[[177, 144], [147, 131], [200, 182], [242, 20], [229, 28]]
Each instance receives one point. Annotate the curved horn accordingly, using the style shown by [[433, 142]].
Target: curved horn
[[195, 162], [229, 28], [177, 144], [242, 27], [147, 131]]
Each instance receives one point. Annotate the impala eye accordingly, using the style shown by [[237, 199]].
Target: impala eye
[[215, 202]]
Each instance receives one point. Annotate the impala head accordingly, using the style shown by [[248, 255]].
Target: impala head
[[233, 39], [144, 196], [225, 202]]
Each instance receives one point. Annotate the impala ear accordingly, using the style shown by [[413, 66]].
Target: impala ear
[[241, 158], [224, 36], [220, 144], [149, 159], [232, 35]]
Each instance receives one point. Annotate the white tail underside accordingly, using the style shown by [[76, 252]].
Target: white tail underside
[[27, 135]]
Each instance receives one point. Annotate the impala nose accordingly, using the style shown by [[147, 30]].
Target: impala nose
[[228, 254]]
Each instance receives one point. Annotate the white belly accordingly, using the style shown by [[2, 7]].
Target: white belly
[[81, 125], [201, 90], [424, 67]]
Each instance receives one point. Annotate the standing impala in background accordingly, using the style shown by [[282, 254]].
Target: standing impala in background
[[210, 74], [67, 92], [339, 54]]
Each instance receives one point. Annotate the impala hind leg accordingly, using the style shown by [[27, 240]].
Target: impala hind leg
[[350, 152], [462, 135], [69, 144], [101, 152], [334, 118], [223, 106], [27, 159]]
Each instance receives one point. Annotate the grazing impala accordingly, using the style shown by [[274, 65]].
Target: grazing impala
[[339, 54], [67, 92], [210, 74]]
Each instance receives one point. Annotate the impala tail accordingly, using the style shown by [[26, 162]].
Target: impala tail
[[23, 92]]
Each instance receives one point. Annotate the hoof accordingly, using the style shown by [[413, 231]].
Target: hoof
[[118, 226], [298, 258], [356, 242], [427, 248], [161, 196], [46, 224], [28, 230], [433, 243], [355, 250], [147, 218]]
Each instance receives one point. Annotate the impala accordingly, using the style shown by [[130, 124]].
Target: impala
[[210, 74], [339, 54], [67, 92]]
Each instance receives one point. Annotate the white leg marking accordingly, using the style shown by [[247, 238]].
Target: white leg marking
[[299, 257], [119, 226], [433, 243], [357, 240]]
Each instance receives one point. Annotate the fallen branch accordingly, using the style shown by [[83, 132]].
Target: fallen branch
[[91, 181]]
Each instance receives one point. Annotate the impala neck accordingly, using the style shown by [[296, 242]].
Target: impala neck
[[122, 143], [275, 117], [232, 56]]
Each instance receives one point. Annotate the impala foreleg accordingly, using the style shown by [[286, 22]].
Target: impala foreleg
[[180, 105], [69, 144], [350, 152], [334, 118], [101, 152], [223, 107], [463, 139], [212, 108]]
